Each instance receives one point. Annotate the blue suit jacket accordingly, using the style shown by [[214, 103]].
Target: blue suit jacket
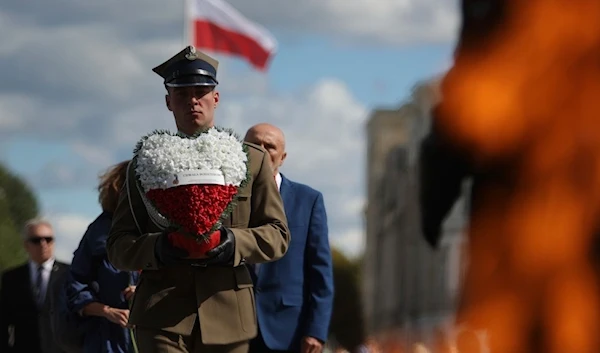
[[294, 295]]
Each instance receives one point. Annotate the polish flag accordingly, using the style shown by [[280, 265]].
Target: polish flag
[[217, 26]]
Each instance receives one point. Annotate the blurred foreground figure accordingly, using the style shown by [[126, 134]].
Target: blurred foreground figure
[[521, 116]]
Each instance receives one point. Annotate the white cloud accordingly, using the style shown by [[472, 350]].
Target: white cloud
[[350, 242], [95, 154], [355, 206], [395, 22], [13, 107], [69, 229]]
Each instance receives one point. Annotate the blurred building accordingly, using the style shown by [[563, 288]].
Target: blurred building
[[409, 289]]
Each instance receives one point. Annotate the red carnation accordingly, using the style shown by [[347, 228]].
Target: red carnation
[[196, 209]]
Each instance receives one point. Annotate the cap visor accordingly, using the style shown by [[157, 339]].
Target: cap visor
[[196, 80]]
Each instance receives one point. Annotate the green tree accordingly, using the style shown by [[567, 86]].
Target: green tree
[[347, 321], [22, 203], [17, 205]]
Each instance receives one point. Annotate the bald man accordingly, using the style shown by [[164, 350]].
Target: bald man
[[294, 295]]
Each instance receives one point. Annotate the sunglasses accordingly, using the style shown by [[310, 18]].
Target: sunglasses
[[38, 240]]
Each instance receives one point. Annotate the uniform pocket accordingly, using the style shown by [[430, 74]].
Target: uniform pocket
[[247, 308], [240, 216]]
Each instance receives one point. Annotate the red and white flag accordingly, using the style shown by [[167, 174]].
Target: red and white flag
[[217, 26]]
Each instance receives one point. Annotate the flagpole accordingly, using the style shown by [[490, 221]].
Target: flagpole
[[186, 22]]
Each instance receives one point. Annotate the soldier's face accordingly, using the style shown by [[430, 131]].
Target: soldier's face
[[40, 243], [272, 141], [193, 107]]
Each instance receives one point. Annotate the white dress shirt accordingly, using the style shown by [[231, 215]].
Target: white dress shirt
[[46, 271], [278, 180]]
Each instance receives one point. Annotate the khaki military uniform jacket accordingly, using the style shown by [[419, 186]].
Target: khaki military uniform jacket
[[221, 298]]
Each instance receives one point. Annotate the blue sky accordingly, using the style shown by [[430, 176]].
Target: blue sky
[[90, 94]]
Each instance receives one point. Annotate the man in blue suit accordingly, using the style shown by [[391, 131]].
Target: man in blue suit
[[294, 295]]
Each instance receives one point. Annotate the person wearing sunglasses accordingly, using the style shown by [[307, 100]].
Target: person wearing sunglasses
[[24, 305]]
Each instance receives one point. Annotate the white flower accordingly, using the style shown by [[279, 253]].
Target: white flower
[[162, 155]]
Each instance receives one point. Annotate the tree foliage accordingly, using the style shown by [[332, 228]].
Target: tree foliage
[[22, 203], [17, 204], [347, 322]]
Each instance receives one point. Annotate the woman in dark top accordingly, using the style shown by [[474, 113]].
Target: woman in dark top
[[96, 289]]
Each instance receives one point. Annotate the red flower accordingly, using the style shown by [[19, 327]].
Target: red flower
[[196, 209], [197, 248]]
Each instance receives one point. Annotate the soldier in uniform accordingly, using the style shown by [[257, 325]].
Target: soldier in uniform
[[200, 305]]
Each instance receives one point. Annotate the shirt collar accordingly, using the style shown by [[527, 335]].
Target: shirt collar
[[278, 180], [46, 265]]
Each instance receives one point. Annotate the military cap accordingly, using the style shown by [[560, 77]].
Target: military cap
[[189, 67]]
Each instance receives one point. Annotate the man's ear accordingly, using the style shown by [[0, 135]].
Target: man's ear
[[216, 98], [283, 158], [168, 102]]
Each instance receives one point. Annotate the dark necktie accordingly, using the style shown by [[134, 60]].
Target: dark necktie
[[38, 286]]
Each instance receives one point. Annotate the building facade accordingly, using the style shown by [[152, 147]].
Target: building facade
[[409, 289]]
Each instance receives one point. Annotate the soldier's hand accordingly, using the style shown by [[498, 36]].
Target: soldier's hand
[[222, 254], [165, 252]]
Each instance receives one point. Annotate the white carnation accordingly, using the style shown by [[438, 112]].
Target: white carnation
[[161, 155]]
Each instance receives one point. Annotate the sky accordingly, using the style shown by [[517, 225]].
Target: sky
[[77, 91]]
